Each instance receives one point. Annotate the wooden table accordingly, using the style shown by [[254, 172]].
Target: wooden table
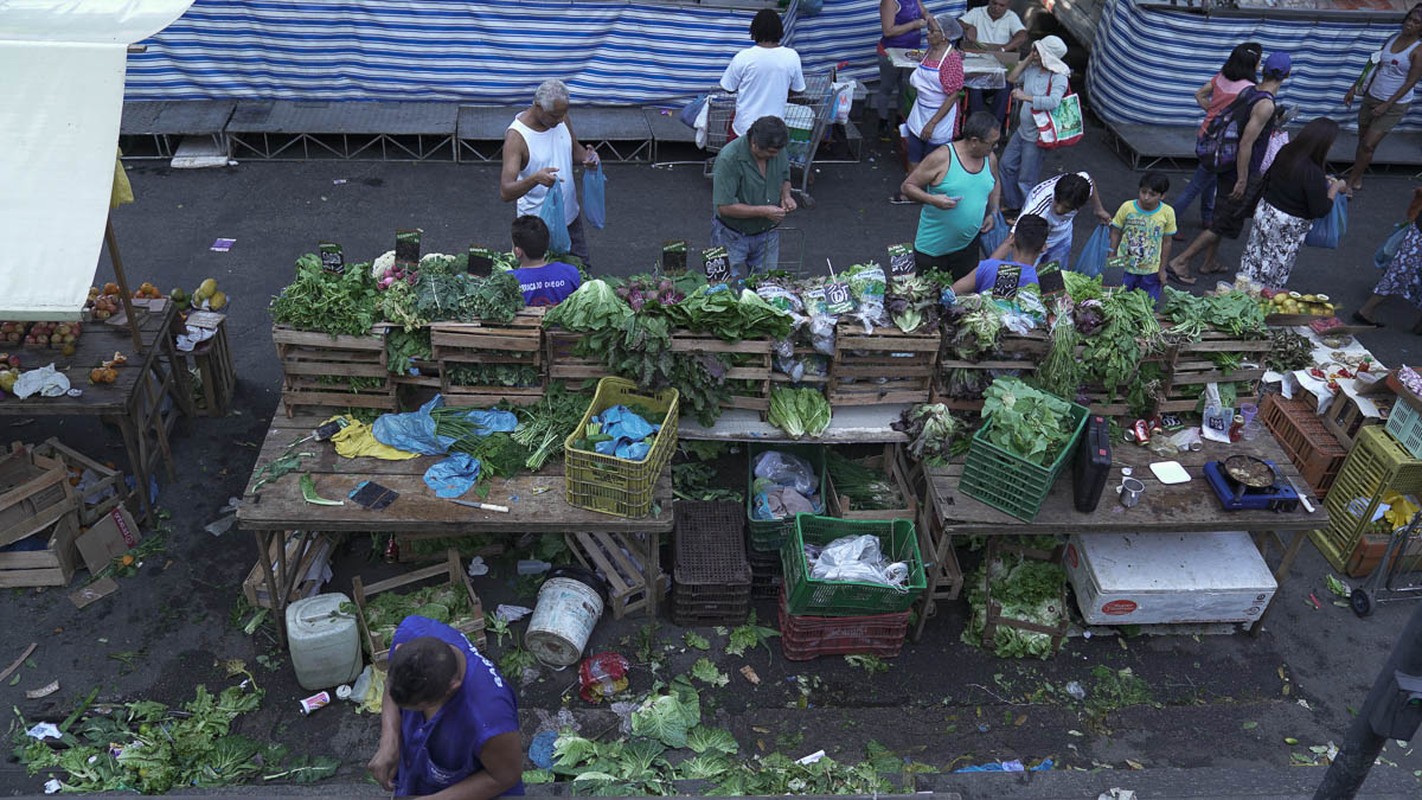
[[536, 505], [134, 402], [1190, 507]]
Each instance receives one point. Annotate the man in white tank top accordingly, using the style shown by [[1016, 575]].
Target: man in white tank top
[[539, 151]]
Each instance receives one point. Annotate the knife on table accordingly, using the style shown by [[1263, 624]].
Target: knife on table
[[1303, 495], [485, 506]]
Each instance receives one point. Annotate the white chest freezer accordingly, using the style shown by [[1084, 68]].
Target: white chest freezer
[[1165, 578]]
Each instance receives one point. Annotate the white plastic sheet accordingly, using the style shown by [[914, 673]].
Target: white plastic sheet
[[63, 64]]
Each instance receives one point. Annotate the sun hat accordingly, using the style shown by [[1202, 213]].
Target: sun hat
[[1051, 49], [1277, 65]]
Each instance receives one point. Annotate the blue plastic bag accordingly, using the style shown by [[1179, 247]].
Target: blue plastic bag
[[453, 476], [994, 236], [595, 197], [552, 215], [1094, 253], [692, 110], [414, 431], [1328, 231], [1388, 248]]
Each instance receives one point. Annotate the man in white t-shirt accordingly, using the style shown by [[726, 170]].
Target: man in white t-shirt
[[993, 28], [764, 75]]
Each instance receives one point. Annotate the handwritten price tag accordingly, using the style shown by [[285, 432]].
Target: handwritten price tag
[[901, 261], [332, 260], [838, 299], [718, 264]]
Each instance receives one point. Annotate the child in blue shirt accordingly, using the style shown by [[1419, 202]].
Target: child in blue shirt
[[543, 283], [1003, 278]]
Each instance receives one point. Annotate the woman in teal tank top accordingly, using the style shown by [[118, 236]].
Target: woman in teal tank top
[[959, 191]]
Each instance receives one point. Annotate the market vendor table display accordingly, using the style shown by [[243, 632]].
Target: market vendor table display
[[137, 400], [535, 501], [1197, 505]]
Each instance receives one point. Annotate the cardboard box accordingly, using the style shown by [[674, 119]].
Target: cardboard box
[[108, 539], [1165, 578]]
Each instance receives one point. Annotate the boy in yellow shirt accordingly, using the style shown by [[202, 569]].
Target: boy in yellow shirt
[[1140, 235]]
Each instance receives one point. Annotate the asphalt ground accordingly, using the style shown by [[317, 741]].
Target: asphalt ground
[[1213, 704]]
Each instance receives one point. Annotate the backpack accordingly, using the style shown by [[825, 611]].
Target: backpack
[[1218, 147]]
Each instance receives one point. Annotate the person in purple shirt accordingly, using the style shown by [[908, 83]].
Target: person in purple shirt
[[544, 283], [448, 721]]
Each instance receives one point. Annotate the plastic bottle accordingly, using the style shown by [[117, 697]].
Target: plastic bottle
[[533, 566]]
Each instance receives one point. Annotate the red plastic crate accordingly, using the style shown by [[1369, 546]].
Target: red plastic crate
[[1312, 448], [803, 638]]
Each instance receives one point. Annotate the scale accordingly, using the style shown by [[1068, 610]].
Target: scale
[[1235, 496]]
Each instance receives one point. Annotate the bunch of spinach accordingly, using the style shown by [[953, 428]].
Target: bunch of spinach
[[1115, 353], [1028, 423], [404, 346], [727, 315], [317, 300]]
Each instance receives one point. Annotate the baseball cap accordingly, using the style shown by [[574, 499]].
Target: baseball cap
[[1277, 65]]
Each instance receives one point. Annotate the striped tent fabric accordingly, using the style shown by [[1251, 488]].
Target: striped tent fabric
[[1148, 62], [610, 53]]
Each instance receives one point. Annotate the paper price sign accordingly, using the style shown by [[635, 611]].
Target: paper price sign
[[407, 246], [718, 264], [901, 262], [332, 260], [481, 260], [838, 299]]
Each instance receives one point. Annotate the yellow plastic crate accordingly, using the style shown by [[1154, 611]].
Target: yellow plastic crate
[[1377, 464], [612, 485]]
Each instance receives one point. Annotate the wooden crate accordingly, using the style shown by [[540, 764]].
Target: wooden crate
[[624, 572], [318, 368], [995, 616], [750, 370], [1309, 445], [450, 570], [34, 493], [518, 344], [52, 566], [887, 366], [307, 555], [75, 463], [891, 464], [1344, 418], [563, 363]]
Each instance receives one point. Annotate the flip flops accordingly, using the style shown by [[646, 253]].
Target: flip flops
[[1183, 280], [899, 200]]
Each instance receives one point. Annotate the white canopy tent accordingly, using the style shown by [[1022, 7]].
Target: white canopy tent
[[63, 64]]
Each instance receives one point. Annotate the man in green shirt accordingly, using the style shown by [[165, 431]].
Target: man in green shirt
[[750, 189]]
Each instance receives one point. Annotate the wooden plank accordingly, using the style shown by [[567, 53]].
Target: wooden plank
[[701, 343], [334, 369], [52, 566], [283, 335], [304, 552]]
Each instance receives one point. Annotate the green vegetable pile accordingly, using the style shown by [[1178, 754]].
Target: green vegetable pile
[[447, 603], [866, 488], [974, 327], [1290, 351], [146, 747], [322, 301], [933, 433], [405, 346], [1115, 352], [1028, 423], [545, 425], [799, 412], [440, 297], [1231, 312], [728, 316], [1026, 590], [493, 374]]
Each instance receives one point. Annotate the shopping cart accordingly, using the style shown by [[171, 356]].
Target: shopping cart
[[1381, 584], [808, 117]]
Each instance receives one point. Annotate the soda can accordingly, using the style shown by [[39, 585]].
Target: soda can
[[315, 701]]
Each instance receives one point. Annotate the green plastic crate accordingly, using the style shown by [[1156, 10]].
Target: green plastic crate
[[898, 541], [1009, 483], [767, 536]]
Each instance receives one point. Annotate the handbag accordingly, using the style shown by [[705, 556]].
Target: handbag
[[1094, 253], [1329, 230], [595, 197], [1062, 126], [1384, 255], [692, 110], [551, 213]]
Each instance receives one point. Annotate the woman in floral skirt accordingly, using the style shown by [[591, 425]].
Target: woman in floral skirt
[[1404, 272]]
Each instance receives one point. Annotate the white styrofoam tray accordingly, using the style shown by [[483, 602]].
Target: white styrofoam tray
[[1165, 578]]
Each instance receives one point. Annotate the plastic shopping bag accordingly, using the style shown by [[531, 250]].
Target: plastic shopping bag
[[552, 214], [1388, 249], [594, 197], [1328, 231], [995, 236], [1095, 253]]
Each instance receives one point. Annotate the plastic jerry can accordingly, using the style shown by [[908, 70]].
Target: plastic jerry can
[[324, 641]]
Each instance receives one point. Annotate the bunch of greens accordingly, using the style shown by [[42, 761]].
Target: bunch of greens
[[974, 326], [496, 298], [545, 425], [1289, 351], [799, 412], [493, 374], [966, 383], [1131, 333], [1232, 312], [146, 747], [729, 316], [696, 480], [1028, 423], [1024, 589], [1061, 371], [448, 603], [439, 296], [866, 488], [397, 305], [1081, 288], [593, 306], [404, 346], [932, 432], [317, 300], [912, 302]]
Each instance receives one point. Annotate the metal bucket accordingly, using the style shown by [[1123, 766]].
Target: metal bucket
[[570, 603]]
